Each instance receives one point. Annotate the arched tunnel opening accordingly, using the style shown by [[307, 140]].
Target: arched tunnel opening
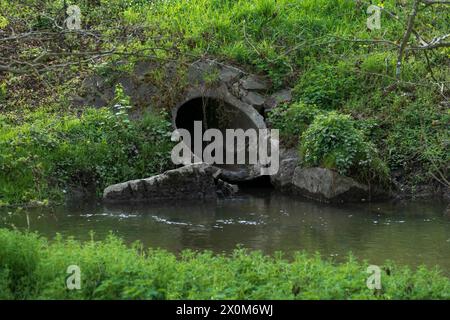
[[218, 114], [215, 113]]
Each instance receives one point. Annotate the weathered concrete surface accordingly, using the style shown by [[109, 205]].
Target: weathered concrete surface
[[253, 82], [192, 182], [231, 84], [326, 185], [240, 92]]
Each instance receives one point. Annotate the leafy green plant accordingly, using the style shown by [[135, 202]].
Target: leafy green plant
[[19, 260], [122, 106], [47, 155], [292, 120], [34, 268], [332, 141]]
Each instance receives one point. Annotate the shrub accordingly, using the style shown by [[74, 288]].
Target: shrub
[[332, 141], [112, 270], [46, 154], [292, 120]]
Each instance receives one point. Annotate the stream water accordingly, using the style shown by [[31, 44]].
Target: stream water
[[411, 233]]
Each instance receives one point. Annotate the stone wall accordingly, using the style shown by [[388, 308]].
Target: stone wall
[[178, 84]]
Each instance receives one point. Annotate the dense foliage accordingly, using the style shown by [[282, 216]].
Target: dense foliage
[[333, 141], [292, 120], [44, 155], [33, 268], [330, 140]]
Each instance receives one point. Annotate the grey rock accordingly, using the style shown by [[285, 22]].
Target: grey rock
[[280, 97], [289, 160], [143, 69], [95, 101], [237, 91], [228, 74], [237, 175], [95, 92], [92, 82], [326, 185], [253, 82], [191, 182], [225, 189], [284, 95], [128, 85], [255, 99], [199, 70], [143, 94]]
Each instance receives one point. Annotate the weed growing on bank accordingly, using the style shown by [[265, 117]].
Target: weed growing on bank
[[46, 155], [32, 267], [333, 141]]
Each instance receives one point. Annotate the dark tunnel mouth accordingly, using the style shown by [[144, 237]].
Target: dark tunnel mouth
[[215, 112], [219, 114]]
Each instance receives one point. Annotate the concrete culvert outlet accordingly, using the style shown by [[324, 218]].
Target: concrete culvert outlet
[[214, 113], [217, 113]]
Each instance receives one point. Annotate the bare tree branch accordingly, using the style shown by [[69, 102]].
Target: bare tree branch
[[437, 42], [430, 2], [406, 37]]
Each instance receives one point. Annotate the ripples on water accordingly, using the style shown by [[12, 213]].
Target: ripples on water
[[412, 233]]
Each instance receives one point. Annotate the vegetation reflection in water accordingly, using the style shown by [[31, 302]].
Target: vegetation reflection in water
[[411, 233]]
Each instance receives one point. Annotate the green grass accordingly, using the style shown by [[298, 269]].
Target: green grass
[[32, 267]]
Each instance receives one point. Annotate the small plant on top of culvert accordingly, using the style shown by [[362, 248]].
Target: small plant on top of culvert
[[333, 141], [292, 120], [121, 106], [211, 77], [3, 92]]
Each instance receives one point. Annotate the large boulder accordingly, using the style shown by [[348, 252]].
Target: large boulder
[[326, 185], [192, 182], [289, 160], [225, 189]]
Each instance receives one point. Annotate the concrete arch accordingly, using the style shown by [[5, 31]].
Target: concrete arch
[[202, 104]]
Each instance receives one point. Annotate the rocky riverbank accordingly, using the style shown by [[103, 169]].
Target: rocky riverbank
[[203, 182], [198, 181]]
